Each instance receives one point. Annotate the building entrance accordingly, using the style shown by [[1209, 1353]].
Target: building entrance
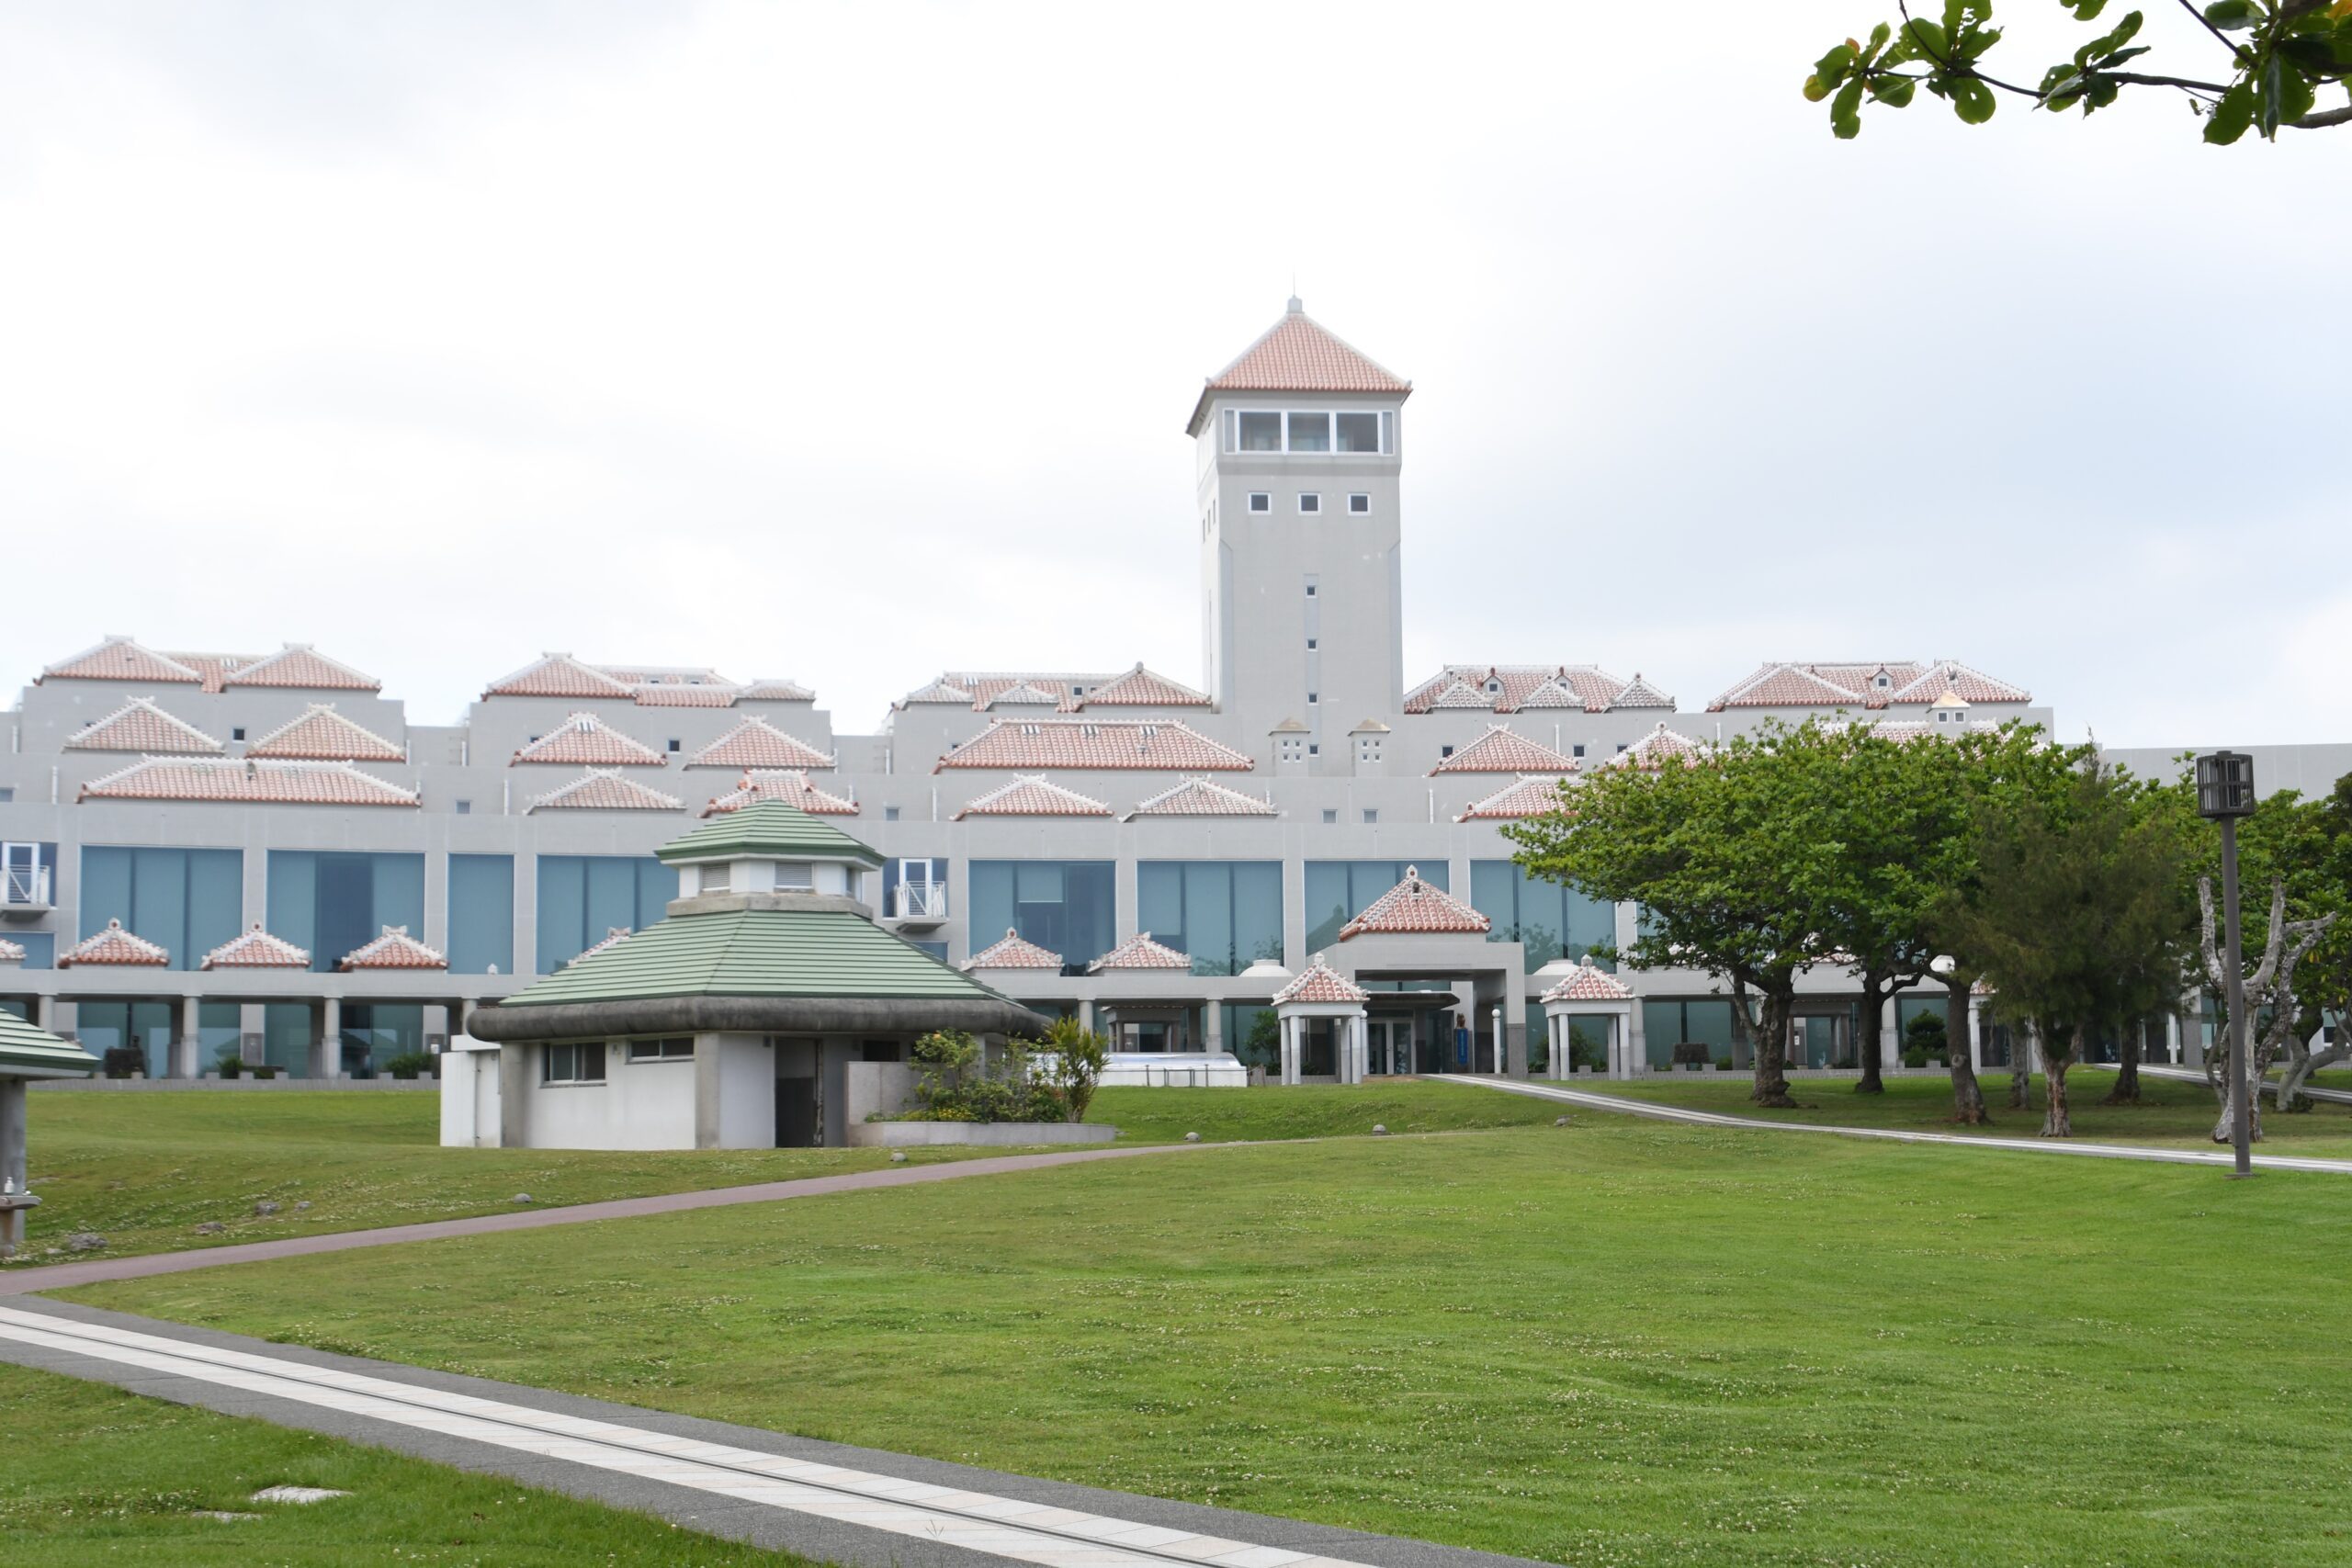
[[1389, 1043]]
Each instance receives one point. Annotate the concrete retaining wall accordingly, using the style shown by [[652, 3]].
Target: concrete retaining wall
[[986, 1134]]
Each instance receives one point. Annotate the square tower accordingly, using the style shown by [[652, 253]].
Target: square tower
[[1297, 447]]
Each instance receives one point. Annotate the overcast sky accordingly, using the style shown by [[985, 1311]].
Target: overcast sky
[[855, 342]]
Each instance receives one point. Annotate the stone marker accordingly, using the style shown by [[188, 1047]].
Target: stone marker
[[210, 1227], [1192, 1137], [265, 1207], [297, 1494], [1380, 1129], [522, 1197], [85, 1241]]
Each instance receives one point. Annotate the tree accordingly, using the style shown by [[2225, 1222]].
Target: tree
[[2264, 65], [1263, 1048], [2305, 846], [1717, 852], [2083, 919], [2269, 989], [1075, 1062]]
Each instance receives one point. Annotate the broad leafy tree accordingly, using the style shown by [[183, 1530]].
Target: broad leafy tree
[[2260, 65]]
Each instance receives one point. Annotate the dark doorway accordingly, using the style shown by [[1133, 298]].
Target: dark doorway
[[795, 1113]]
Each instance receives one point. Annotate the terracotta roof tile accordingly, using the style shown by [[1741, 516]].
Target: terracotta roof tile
[[582, 739], [665, 675], [1414, 907], [1511, 688], [1657, 749], [604, 789], [1587, 983], [1011, 952], [119, 658], [787, 785], [1531, 796], [1299, 353], [1503, 751], [140, 725], [256, 949], [1033, 796], [759, 690], [1088, 745], [1021, 694], [1139, 952], [558, 675], [659, 695], [1139, 687], [215, 667], [394, 949], [756, 743], [1319, 982], [941, 691], [1203, 797], [299, 664], [247, 781], [323, 735], [1858, 685], [115, 945]]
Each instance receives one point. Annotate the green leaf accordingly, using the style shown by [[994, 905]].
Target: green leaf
[[2111, 42], [1831, 68], [2085, 10], [2061, 88], [2265, 105], [2231, 116], [1816, 89], [1972, 100], [1845, 111], [1928, 41], [1894, 92], [1961, 14], [2230, 16]]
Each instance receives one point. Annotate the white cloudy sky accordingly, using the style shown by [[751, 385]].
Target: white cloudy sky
[[851, 343]]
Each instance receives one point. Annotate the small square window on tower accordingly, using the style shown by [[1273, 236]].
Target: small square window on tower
[[1331, 814], [1371, 816], [1359, 506], [1310, 590], [1310, 645], [1261, 501], [1309, 503]]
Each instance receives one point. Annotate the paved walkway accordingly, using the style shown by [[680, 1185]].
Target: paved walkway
[[834, 1503], [20, 1278], [2197, 1075], [1656, 1111]]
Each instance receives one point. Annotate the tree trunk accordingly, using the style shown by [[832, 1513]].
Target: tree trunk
[[2127, 1069], [1870, 1036], [1770, 1045], [2223, 1132], [2056, 1122], [2023, 1042], [1967, 1094]]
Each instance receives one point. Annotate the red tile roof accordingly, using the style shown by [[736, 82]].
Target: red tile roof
[[140, 725], [1511, 688], [756, 743], [1414, 907], [1503, 751], [1034, 796], [1139, 687], [1531, 796], [582, 739], [789, 786], [1139, 952], [1858, 685], [1657, 749], [115, 945], [776, 691], [1011, 953], [1299, 353], [558, 675], [256, 949], [215, 667], [119, 658], [245, 780], [394, 949], [614, 936], [1319, 982], [675, 695], [1203, 797], [1091, 746], [299, 664], [321, 734], [604, 789], [1587, 983]]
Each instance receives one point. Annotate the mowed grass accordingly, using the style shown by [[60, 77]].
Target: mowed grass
[[2171, 1113], [1613, 1343], [144, 1170], [93, 1474], [1311, 1111]]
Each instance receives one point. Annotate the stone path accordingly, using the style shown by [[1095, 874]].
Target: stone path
[[834, 1503], [17, 1280], [2197, 1075], [1591, 1102]]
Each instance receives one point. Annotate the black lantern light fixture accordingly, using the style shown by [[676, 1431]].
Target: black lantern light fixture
[[2224, 785]]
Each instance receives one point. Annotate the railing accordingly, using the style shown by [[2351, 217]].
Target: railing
[[26, 884], [918, 901]]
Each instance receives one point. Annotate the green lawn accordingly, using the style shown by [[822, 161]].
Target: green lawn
[[144, 1170], [1311, 1111], [1618, 1342], [2171, 1113], [93, 1474]]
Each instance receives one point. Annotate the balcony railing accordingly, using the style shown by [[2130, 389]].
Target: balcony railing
[[922, 903], [25, 888]]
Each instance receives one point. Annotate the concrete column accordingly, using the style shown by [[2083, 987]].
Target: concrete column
[[1975, 1035], [1890, 1035], [45, 1013], [14, 1198], [189, 1055], [1290, 1049], [1213, 1025], [707, 1090], [515, 1065], [326, 1049]]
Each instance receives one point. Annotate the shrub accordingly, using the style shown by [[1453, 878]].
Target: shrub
[[960, 1084], [1078, 1056], [1589, 1055], [410, 1065], [121, 1060], [1723, 1063], [265, 1069], [1263, 1047], [231, 1063]]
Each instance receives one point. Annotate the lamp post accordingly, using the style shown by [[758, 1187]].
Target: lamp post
[[2224, 794]]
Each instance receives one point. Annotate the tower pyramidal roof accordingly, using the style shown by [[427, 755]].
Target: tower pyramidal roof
[[1299, 353]]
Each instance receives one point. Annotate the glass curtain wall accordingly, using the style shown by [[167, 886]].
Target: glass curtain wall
[[1550, 920], [582, 898], [481, 914], [1701, 1021], [1339, 890], [1225, 915], [1064, 907], [187, 901], [336, 902]]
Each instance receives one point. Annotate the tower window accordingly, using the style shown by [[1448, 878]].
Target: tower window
[[1261, 433], [1332, 814], [1443, 753], [1358, 432], [1575, 751], [674, 747], [1309, 503], [1314, 697], [1310, 590], [1310, 645], [1313, 750], [1371, 816], [1259, 500], [1359, 506], [239, 733], [1310, 431]]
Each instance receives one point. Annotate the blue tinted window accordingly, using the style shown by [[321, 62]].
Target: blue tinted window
[[1064, 907], [584, 897], [186, 901], [1226, 915], [40, 949], [335, 903], [481, 914], [1551, 920], [1339, 890]]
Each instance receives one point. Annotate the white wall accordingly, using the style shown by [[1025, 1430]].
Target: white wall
[[648, 1105], [746, 1094]]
